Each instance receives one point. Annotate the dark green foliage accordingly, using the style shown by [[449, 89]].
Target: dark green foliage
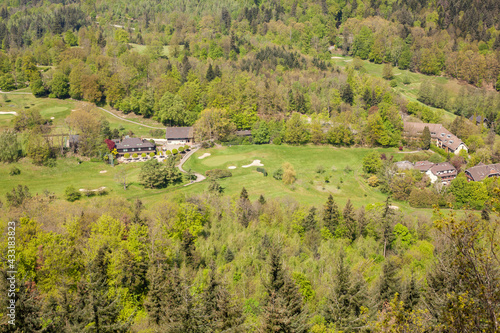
[[72, 194], [262, 200], [389, 283], [228, 255], [331, 215], [244, 209], [14, 171], [426, 138], [218, 173], [411, 297], [9, 147], [284, 310], [278, 174], [221, 313], [310, 222], [210, 73], [343, 306], [262, 171], [157, 175], [18, 196], [215, 187], [350, 221]]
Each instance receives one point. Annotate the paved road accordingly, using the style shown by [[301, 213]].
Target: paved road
[[199, 177]]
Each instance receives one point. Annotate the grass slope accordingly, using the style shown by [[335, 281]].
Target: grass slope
[[61, 108], [410, 91], [310, 186]]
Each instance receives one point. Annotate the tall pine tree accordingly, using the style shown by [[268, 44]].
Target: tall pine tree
[[331, 215]]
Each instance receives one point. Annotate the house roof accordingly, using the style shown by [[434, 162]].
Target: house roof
[[482, 171], [479, 119], [438, 132], [134, 143], [423, 165], [404, 165], [440, 167], [179, 133]]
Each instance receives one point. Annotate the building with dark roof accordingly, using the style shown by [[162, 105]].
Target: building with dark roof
[[440, 136], [179, 135], [481, 171], [134, 145], [480, 120], [446, 171]]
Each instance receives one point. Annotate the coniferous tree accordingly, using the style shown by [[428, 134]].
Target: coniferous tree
[[244, 209], [309, 222], [350, 220], [95, 307], [154, 302], [411, 296], [343, 307], [389, 283], [426, 138], [331, 215], [284, 310], [217, 71], [262, 200], [221, 314], [210, 73]]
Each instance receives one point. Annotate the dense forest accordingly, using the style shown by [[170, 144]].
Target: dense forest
[[218, 263]]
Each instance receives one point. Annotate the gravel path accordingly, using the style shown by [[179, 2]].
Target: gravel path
[[130, 121], [199, 177]]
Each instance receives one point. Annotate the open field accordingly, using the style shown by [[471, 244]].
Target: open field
[[61, 108], [142, 48], [410, 91], [310, 187]]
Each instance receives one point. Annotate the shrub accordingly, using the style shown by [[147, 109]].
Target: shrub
[[127, 155], [289, 175], [218, 173], [71, 194], [181, 149], [373, 181], [168, 153], [174, 151], [151, 154], [263, 171], [135, 155], [187, 148], [278, 174], [143, 155], [372, 162], [14, 171], [320, 169], [393, 84]]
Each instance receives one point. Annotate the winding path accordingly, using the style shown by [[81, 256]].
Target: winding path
[[130, 121], [199, 177]]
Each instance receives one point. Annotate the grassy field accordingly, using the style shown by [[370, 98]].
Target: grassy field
[[61, 108], [310, 187], [142, 48], [82, 176], [410, 91]]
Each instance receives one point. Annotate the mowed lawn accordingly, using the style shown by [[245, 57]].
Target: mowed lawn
[[60, 109], [86, 175], [311, 187]]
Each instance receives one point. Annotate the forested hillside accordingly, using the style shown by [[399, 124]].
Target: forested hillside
[[356, 248]]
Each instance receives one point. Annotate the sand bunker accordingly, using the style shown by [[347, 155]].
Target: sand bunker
[[96, 190], [52, 118], [231, 167], [103, 171], [204, 155], [9, 112], [254, 163]]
